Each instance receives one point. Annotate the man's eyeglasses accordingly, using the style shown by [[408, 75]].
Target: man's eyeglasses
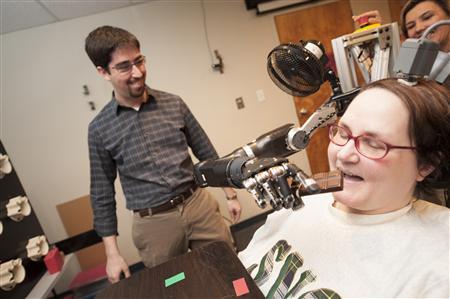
[[368, 146], [127, 66]]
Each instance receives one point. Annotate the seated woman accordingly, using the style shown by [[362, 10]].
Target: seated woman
[[374, 238]]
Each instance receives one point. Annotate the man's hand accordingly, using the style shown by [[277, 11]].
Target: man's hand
[[234, 208], [115, 263], [114, 266], [373, 15]]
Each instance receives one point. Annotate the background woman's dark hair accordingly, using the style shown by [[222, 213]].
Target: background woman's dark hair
[[103, 41], [428, 104], [411, 4]]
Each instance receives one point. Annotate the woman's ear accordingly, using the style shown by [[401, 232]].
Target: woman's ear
[[424, 171]]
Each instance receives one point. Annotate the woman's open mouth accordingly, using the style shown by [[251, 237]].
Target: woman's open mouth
[[350, 177]]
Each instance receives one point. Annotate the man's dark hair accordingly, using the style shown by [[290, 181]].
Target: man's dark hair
[[103, 41], [411, 4]]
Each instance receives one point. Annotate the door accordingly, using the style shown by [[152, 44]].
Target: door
[[323, 23], [395, 7]]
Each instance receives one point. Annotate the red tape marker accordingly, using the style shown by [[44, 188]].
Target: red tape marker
[[240, 287]]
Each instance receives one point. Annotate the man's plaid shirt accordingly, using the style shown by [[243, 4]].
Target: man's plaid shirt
[[149, 150]]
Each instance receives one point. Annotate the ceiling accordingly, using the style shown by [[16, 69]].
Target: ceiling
[[23, 14]]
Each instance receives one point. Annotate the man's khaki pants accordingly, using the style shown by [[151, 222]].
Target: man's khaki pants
[[190, 225]]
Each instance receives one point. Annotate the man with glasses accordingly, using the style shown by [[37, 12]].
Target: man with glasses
[[378, 237], [144, 135]]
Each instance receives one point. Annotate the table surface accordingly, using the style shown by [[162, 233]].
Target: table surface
[[209, 273]]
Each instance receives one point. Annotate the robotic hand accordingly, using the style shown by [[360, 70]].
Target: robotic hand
[[269, 180], [283, 183], [272, 180]]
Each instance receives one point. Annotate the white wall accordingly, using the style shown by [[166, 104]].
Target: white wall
[[44, 115]]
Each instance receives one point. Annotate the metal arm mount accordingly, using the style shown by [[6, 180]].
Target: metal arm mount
[[374, 51], [290, 139], [327, 113], [298, 138]]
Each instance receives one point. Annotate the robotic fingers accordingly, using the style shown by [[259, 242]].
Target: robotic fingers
[[282, 184], [277, 181]]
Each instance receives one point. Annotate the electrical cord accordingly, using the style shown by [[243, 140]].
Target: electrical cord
[[205, 26]]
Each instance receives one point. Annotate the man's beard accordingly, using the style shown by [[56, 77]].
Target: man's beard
[[136, 92]]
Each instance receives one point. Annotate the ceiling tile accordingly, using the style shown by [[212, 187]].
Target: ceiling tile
[[23, 14], [69, 9], [18, 15]]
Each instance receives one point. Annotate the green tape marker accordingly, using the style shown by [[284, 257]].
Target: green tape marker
[[174, 279]]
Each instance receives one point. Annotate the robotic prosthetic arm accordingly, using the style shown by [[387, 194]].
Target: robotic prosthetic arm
[[254, 168], [260, 166], [230, 170]]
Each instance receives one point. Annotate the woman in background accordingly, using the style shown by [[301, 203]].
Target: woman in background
[[416, 16]]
